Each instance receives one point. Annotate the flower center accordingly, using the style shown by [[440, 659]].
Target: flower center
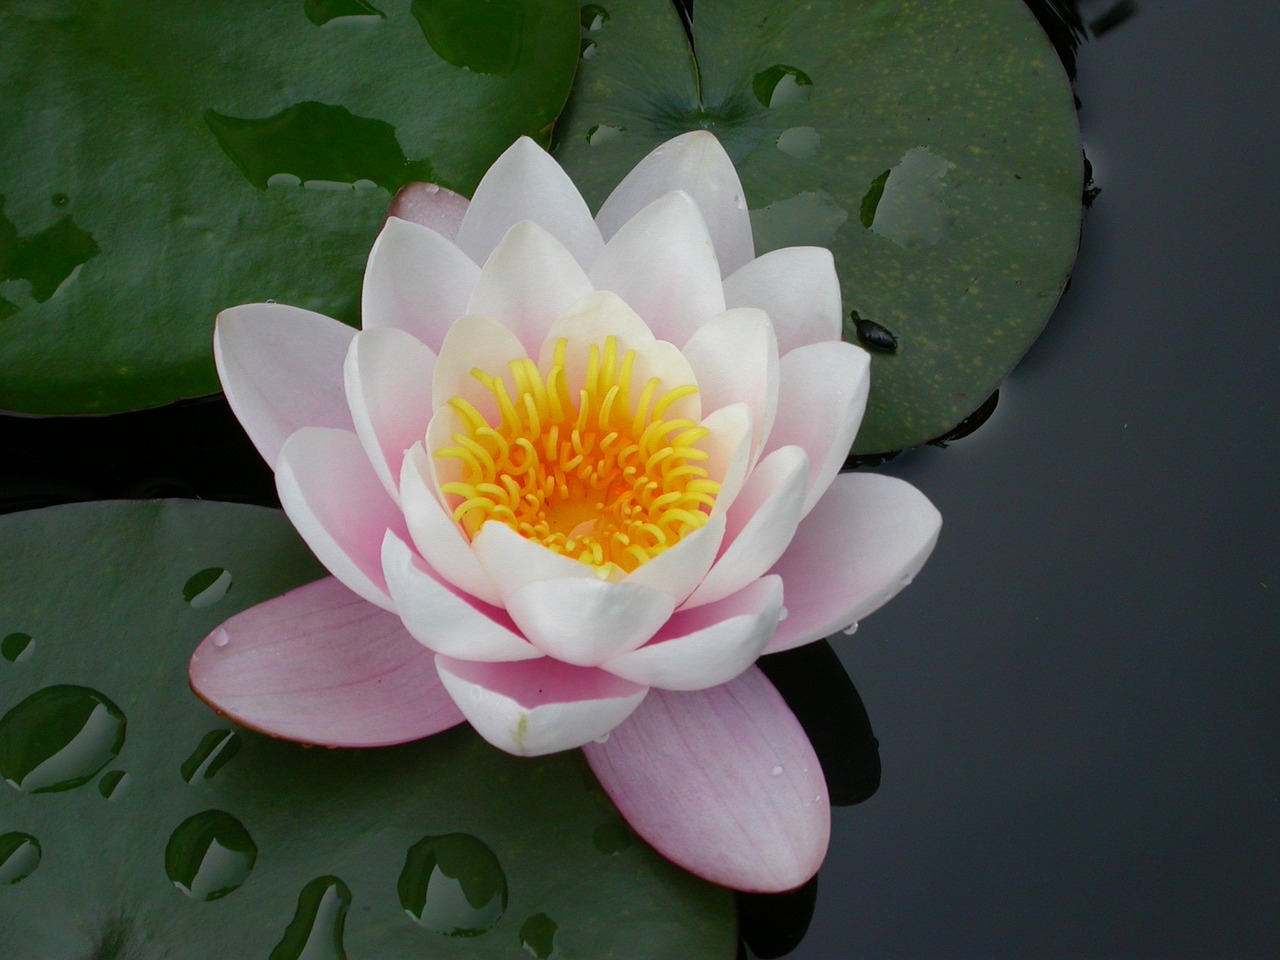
[[599, 478]]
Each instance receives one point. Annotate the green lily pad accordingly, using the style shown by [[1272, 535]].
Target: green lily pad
[[931, 144], [163, 161], [153, 828]]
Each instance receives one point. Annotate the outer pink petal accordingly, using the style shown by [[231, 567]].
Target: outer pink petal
[[416, 281], [281, 369], [696, 163], [443, 618], [722, 781], [762, 522], [536, 707], [319, 665], [821, 399], [662, 263], [388, 385], [334, 499], [709, 645], [526, 184], [430, 205], [859, 546], [587, 621], [528, 281], [798, 288]]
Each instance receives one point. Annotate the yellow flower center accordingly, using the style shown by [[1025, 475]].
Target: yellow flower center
[[600, 478]]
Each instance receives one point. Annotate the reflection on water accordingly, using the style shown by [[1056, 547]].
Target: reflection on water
[[453, 884], [59, 738]]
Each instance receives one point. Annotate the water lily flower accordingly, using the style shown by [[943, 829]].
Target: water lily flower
[[565, 479]]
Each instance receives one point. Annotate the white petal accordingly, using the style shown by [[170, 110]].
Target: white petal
[[511, 561], [799, 290], [526, 184], [821, 399], [536, 707], [735, 358], [695, 163], [677, 571], [859, 546], [440, 541], [388, 383], [663, 264], [762, 522], [474, 342], [730, 448], [416, 281], [281, 369], [594, 318], [528, 281], [709, 645], [334, 499], [444, 619], [586, 622]]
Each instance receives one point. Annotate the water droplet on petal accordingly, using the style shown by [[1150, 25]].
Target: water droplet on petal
[[207, 587], [850, 630], [59, 738], [315, 932], [776, 772], [210, 755], [17, 647], [221, 638], [209, 855], [19, 857], [538, 936], [453, 884]]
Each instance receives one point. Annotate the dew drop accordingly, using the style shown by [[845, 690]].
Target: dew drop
[[776, 772], [781, 86], [315, 932], [538, 936], [593, 17], [453, 884], [19, 857], [611, 838], [17, 647], [603, 133], [59, 738], [588, 50], [207, 587], [799, 142], [210, 755], [59, 199], [850, 630], [904, 203], [221, 638], [113, 784], [209, 855]]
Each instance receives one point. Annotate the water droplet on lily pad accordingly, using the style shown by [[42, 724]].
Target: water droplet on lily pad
[[113, 783], [315, 932], [209, 855], [17, 647], [811, 218], [210, 755], [602, 133], [781, 86], [59, 738], [207, 587], [19, 857], [799, 142], [904, 204], [484, 36], [538, 936], [453, 884], [321, 12], [593, 17]]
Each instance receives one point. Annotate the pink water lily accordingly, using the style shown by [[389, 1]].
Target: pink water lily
[[565, 478]]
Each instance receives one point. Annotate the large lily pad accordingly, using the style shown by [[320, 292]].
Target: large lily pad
[[931, 144], [147, 827], [162, 161]]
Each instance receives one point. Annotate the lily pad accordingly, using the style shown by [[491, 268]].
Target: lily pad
[[931, 144], [163, 161], [202, 842]]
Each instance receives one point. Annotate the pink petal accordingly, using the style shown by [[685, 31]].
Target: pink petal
[[319, 665], [696, 163], [528, 281], [709, 645], [526, 184], [536, 707], [798, 288], [662, 263], [430, 205], [821, 398], [416, 281], [587, 621], [859, 546], [281, 369], [762, 522], [443, 618], [334, 499], [388, 384], [723, 782]]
